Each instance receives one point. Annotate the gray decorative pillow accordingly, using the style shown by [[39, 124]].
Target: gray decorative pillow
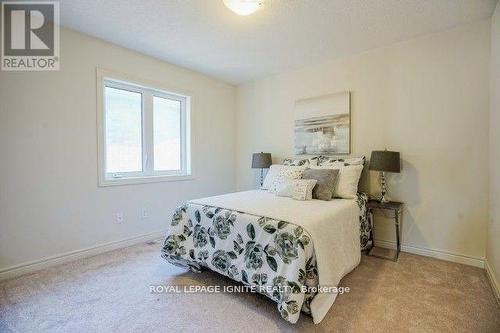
[[325, 185]]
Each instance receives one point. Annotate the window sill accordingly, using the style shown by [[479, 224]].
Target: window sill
[[143, 180]]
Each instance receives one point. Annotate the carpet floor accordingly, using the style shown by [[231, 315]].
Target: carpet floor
[[111, 293]]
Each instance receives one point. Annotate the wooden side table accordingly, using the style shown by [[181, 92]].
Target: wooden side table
[[397, 209]]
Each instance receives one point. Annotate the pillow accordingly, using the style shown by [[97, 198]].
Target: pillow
[[298, 189], [338, 162], [325, 186], [286, 173], [347, 182], [301, 162], [270, 175]]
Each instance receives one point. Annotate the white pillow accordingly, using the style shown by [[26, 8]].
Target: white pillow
[[271, 174], [347, 180], [298, 189], [286, 173]]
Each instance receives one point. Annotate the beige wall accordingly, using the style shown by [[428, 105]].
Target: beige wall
[[49, 200], [493, 245], [428, 99]]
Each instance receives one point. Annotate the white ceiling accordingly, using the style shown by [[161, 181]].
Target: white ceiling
[[205, 36]]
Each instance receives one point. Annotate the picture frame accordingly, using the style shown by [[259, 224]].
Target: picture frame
[[322, 125]]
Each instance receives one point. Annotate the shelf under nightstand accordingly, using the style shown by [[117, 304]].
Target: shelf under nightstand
[[397, 208]]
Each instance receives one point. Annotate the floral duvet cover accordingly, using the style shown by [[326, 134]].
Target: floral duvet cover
[[274, 257]]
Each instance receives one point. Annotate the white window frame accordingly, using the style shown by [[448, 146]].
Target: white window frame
[[148, 91]]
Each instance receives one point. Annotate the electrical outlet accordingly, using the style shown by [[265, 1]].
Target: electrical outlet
[[144, 213], [118, 217]]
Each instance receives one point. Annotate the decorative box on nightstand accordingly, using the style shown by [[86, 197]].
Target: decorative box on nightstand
[[397, 209]]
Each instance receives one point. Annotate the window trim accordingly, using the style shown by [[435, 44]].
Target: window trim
[[111, 79]]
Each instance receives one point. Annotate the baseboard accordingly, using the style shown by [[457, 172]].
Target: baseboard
[[32, 266], [29, 267], [493, 280], [438, 254]]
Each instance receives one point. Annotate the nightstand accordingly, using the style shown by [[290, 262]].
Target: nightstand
[[397, 210]]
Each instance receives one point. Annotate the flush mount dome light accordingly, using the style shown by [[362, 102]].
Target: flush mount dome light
[[243, 7]]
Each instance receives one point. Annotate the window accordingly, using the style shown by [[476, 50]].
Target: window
[[144, 134]]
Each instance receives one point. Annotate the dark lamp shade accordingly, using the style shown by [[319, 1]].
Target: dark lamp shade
[[261, 160], [384, 160]]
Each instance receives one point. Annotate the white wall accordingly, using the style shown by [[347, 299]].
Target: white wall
[[49, 199], [493, 245], [428, 99]]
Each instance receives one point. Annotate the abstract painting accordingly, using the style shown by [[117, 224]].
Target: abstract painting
[[323, 125]]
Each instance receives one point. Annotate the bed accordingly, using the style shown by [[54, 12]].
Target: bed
[[294, 252]]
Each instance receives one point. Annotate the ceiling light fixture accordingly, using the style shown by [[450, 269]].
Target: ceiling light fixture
[[243, 7]]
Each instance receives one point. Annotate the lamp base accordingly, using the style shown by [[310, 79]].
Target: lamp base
[[383, 199], [383, 189], [261, 177]]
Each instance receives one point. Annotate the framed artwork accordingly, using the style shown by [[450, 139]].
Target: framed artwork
[[323, 125]]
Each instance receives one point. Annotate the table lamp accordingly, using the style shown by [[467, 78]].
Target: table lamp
[[261, 161], [385, 161]]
